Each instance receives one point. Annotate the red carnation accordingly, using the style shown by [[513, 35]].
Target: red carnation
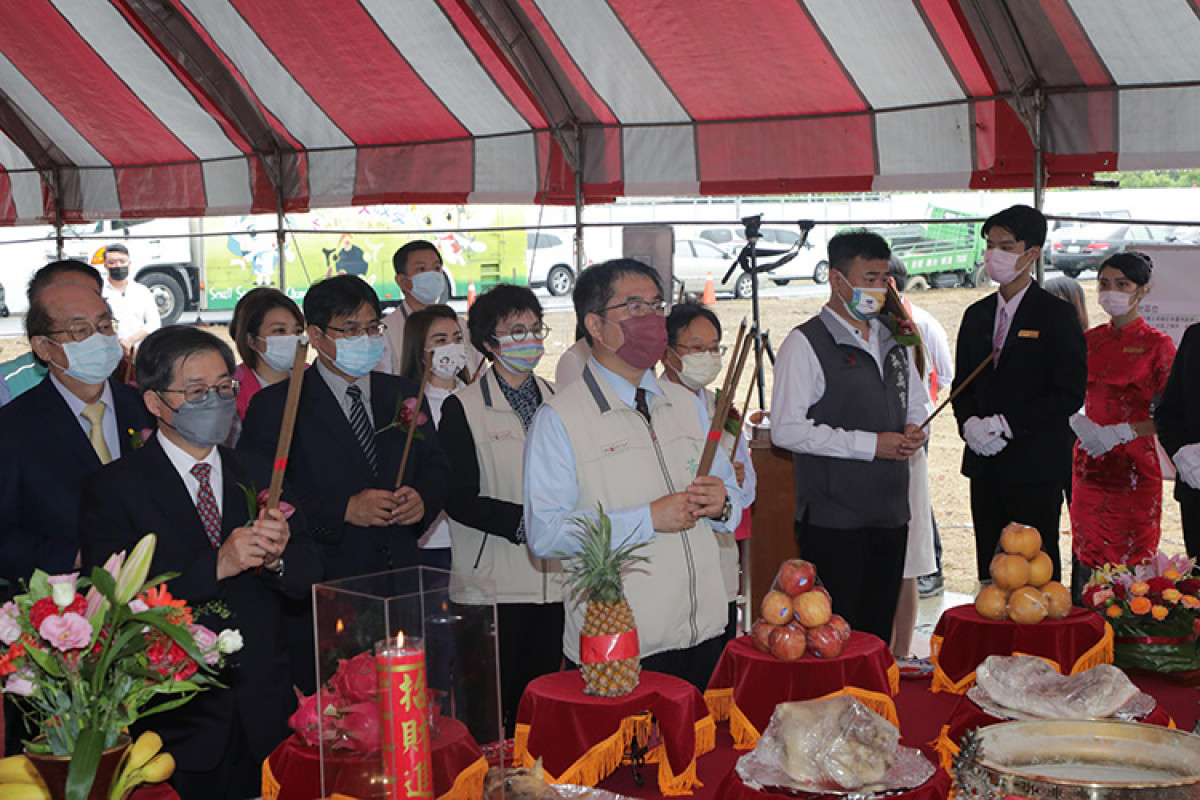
[[1159, 585], [186, 671], [1189, 586], [41, 610], [1120, 590], [1089, 592]]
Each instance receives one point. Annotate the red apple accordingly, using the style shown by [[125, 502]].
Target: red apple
[[761, 633], [777, 608], [796, 576], [788, 642], [839, 623], [825, 641], [812, 608]]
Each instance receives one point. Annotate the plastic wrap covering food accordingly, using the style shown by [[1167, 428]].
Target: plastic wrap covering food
[[519, 783], [1034, 687], [833, 745]]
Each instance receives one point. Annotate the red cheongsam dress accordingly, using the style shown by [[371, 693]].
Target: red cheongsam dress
[[1116, 501]]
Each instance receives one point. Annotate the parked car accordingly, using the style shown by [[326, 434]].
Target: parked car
[[1074, 249], [696, 260], [551, 260], [809, 263]]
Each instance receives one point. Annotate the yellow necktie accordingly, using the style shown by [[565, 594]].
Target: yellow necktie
[[94, 414]]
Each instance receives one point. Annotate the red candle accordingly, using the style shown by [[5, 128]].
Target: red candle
[[404, 717]]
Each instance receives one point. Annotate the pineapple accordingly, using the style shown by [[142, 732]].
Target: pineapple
[[594, 575]]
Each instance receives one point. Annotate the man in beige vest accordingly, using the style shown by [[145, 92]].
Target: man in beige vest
[[621, 438]]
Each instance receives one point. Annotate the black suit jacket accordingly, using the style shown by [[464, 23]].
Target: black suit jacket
[[1039, 383], [142, 493], [327, 466], [1178, 414], [44, 456]]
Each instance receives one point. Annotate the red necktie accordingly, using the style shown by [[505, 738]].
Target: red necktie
[[206, 504]]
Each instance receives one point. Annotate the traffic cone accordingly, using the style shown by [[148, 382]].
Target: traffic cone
[[710, 295], [470, 294]]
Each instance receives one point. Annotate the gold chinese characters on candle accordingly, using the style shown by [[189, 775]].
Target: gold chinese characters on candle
[[404, 718]]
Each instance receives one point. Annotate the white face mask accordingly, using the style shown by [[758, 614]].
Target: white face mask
[[1116, 303], [699, 369], [447, 360], [1001, 266], [427, 287], [281, 351]]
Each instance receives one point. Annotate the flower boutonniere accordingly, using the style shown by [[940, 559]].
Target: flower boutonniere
[[256, 501], [406, 409], [138, 438], [904, 331]]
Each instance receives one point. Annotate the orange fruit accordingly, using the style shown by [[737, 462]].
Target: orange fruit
[[1027, 605], [1021, 540], [1041, 569], [992, 603], [1058, 599], [1009, 571]]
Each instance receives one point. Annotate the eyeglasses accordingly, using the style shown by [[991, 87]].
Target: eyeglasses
[[637, 307], [719, 350], [78, 331], [199, 392], [520, 333], [353, 330]]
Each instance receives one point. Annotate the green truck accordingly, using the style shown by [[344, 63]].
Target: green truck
[[939, 254]]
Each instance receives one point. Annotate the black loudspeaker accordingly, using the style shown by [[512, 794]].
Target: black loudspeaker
[[653, 245]]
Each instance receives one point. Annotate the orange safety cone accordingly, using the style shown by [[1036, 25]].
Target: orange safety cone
[[710, 295], [470, 294]]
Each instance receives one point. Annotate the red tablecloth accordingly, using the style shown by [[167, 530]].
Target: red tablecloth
[[747, 685], [963, 639], [936, 788], [293, 771], [966, 715], [582, 739]]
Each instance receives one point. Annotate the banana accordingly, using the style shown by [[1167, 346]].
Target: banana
[[141, 751], [157, 769], [18, 769], [23, 791]]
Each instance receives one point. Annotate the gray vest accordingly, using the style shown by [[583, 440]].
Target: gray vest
[[842, 492]]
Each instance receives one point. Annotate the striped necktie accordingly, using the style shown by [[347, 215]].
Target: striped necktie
[[362, 426]]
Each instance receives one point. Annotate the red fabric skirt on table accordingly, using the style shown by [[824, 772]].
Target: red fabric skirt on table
[[963, 639], [582, 739], [747, 685]]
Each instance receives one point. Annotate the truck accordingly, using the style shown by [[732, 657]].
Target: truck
[[207, 265], [939, 254]]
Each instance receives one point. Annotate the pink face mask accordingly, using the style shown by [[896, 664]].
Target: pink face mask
[[645, 340], [1001, 266]]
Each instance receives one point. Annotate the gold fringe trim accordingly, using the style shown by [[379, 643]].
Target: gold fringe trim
[[1101, 652], [671, 785], [270, 786], [941, 681], [719, 702], [744, 734], [597, 763], [894, 679], [469, 783], [945, 748]]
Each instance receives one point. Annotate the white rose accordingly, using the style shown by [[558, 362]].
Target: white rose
[[229, 641], [63, 594], [10, 629]]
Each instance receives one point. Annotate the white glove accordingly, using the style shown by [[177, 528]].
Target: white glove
[[1187, 464], [1087, 431], [984, 436], [1110, 436]]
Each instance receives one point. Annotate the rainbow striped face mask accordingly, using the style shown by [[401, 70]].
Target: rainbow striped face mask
[[520, 357]]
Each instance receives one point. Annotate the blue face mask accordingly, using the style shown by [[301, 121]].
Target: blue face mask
[[93, 359], [427, 287], [358, 356]]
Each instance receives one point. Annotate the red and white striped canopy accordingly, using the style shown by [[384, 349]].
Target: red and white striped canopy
[[135, 108]]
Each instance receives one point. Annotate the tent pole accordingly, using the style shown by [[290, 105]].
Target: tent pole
[[579, 254], [59, 245], [280, 235], [1039, 170]]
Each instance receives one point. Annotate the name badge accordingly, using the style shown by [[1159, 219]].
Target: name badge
[[1137, 351], [613, 447], [1028, 334], [501, 436]]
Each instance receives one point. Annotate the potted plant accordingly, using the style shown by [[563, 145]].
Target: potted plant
[[88, 658]]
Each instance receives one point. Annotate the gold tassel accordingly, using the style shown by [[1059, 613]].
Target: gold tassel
[[597, 763], [744, 734], [894, 678], [469, 783], [671, 785], [881, 704], [1100, 653], [270, 786], [945, 748], [719, 701]]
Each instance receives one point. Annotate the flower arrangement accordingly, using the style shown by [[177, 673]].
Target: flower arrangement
[[1152, 608], [406, 409], [87, 658], [344, 713], [904, 331], [256, 501]]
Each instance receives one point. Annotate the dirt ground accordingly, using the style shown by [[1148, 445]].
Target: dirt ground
[[948, 488]]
